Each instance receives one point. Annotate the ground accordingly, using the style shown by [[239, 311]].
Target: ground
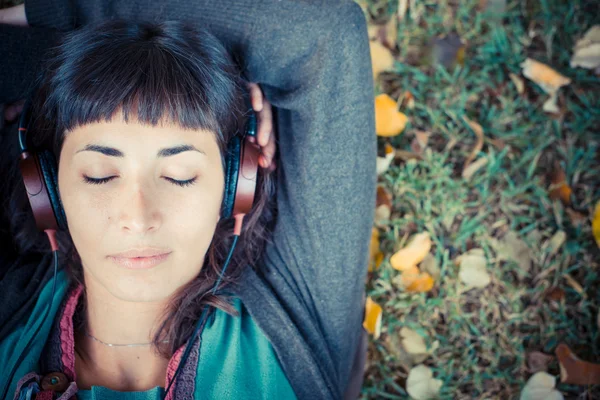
[[484, 335]]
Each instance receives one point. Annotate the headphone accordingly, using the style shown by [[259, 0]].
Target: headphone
[[40, 176]]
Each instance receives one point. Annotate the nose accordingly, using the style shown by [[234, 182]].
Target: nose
[[139, 211]]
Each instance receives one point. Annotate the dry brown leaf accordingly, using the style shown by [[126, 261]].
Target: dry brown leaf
[[559, 189], [577, 218], [413, 253], [586, 53], [388, 120], [419, 142], [478, 144], [383, 205], [538, 361], [372, 320], [381, 58], [555, 294], [574, 370], [596, 224], [407, 100]]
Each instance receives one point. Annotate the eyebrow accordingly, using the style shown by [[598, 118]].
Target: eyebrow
[[165, 152]]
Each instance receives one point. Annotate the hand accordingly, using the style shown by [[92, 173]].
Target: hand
[[14, 16], [265, 134]]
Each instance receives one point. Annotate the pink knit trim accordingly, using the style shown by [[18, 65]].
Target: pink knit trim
[[171, 369], [67, 336]]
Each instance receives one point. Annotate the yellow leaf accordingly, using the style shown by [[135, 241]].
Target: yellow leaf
[[376, 253], [388, 120], [372, 320], [543, 75], [413, 253], [381, 58], [596, 224], [422, 283]]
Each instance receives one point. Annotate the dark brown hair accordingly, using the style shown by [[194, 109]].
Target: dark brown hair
[[156, 71]]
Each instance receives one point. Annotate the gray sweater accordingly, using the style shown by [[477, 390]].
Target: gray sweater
[[312, 60]]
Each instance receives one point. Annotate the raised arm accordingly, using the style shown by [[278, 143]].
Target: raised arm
[[312, 60]]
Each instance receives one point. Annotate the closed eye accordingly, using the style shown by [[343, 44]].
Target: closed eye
[[100, 181]]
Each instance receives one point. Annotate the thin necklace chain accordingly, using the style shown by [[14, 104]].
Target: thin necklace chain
[[121, 345]]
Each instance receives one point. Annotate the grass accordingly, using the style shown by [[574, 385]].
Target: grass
[[484, 334]]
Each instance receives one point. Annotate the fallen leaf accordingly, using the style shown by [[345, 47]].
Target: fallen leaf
[[421, 385], [407, 100], [547, 78], [555, 293], [553, 244], [381, 58], [577, 218], [473, 270], [586, 53], [575, 285], [372, 320], [376, 253], [596, 224], [541, 386], [413, 253], [518, 81], [513, 248], [383, 163], [419, 142], [538, 361], [383, 205], [448, 50], [388, 120], [478, 144], [559, 189], [474, 167], [420, 284], [412, 342], [574, 370]]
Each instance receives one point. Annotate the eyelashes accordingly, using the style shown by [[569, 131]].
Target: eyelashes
[[101, 181]]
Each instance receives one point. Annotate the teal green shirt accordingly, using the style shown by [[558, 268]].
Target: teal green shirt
[[236, 359]]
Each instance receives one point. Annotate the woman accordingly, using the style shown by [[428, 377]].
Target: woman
[[307, 290]]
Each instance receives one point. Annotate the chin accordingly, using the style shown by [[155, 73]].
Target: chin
[[138, 289]]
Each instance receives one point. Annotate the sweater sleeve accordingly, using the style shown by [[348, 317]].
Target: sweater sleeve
[[312, 60]]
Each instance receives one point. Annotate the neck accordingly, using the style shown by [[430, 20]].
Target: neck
[[113, 320]]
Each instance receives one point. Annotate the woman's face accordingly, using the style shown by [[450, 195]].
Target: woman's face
[[141, 206]]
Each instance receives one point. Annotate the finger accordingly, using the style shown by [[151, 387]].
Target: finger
[[265, 124], [256, 96]]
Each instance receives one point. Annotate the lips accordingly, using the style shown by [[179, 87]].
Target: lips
[[140, 262], [142, 252]]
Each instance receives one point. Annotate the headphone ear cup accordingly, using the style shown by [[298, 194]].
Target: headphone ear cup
[[241, 170], [50, 174], [232, 167]]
